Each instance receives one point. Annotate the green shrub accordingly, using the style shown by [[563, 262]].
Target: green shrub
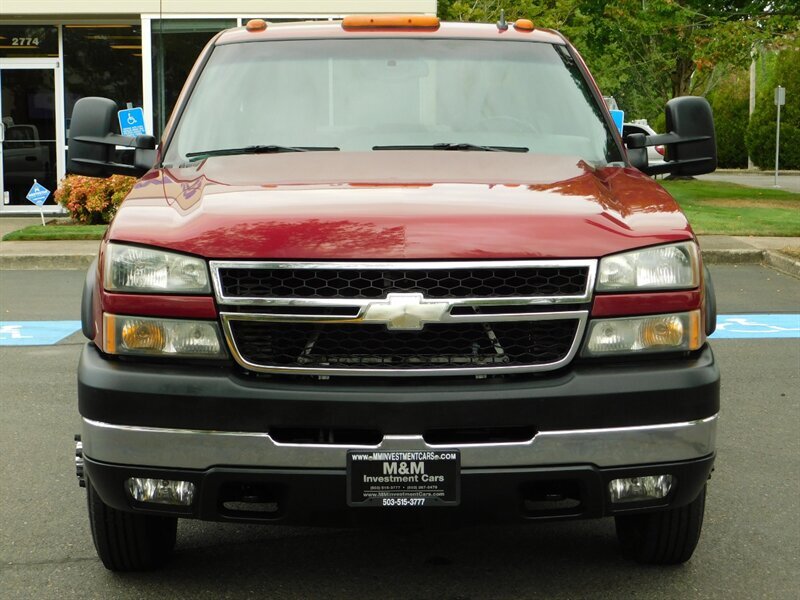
[[731, 106], [90, 200], [761, 131]]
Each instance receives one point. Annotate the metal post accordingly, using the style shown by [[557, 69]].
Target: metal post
[[750, 164], [777, 144], [780, 98]]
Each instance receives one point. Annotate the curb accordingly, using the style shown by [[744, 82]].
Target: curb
[[46, 262], [785, 264], [767, 258], [733, 257]]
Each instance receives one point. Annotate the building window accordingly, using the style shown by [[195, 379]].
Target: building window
[[176, 45], [28, 41], [102, 60]]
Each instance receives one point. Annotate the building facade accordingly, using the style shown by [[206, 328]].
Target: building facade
[[138, 53]]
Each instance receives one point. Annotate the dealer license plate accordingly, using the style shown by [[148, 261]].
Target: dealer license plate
[[403, 478]]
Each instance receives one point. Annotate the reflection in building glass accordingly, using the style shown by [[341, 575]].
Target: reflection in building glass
[[102, 60], [176, 45], [28, 41]]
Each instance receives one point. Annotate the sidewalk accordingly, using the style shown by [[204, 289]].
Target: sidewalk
[[788, 181], [716, 249]]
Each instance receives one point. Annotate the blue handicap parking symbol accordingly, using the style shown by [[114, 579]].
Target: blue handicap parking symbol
[[757, 326], [38, 193], [131, 122], [36, 333]]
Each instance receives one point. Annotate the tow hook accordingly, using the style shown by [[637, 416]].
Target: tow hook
[[79, 460]]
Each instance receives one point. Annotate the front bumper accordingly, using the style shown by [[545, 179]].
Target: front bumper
[[318, 496], [589, 424], [586, 395], [202, 450]]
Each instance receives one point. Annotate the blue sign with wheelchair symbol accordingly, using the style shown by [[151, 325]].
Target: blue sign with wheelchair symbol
[[131, 122]]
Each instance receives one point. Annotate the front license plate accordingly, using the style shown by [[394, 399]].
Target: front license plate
[[404, 478]]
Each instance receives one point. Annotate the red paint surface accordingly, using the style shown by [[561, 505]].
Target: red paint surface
[[186, 307], [398, 205], [617, 305]]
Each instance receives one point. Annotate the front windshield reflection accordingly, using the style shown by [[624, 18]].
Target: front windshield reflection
[[361, 93]]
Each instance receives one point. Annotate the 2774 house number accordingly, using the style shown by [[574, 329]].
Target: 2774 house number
[[25, 41]]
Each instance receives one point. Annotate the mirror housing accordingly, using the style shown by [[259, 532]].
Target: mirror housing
[[92, 142], [691, 143], [637, 153]]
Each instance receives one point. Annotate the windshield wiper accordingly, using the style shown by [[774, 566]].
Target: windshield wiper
[[192, 156], [455, 146]]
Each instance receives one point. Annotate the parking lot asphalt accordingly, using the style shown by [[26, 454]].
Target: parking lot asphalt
[[750, 546]]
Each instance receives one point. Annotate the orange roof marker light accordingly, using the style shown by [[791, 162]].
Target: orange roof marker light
[[256, 25], [523, 25], [390, 21]]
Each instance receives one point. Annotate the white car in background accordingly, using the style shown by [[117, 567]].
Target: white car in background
[[655, 154]]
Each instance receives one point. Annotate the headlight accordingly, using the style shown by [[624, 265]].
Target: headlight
[[145, 336], [656, 333], [134, 269], [661, 268]]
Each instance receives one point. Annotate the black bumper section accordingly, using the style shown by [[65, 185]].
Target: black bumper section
[[582, 396], [318, 497]]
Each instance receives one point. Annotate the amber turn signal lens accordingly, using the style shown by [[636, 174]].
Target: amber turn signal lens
[[662, 331], [143, 335], [523, 25], [256, 25]]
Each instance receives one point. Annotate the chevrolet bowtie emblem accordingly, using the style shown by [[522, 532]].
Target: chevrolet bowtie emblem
[[405, 311]]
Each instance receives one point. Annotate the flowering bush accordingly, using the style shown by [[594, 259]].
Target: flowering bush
[[90, 200]]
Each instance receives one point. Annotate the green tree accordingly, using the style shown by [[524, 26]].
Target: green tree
[[760, 135], [731, 104], [645, 52]]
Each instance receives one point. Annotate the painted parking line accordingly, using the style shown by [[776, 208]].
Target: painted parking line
[[757, 326], [36, 333]]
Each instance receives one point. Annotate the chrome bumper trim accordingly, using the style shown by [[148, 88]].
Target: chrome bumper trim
[[192, 449]]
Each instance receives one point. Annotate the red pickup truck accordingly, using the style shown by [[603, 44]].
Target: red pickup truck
[[392, 269]]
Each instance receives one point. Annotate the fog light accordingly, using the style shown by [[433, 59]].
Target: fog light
[[631, 489], [161, 491]]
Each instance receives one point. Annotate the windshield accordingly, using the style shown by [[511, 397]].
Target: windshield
[[369, 94]]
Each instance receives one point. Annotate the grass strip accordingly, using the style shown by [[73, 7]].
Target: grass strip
[[56, 232], [717, 208]]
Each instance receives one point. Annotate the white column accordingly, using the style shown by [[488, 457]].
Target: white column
[[147, 75]]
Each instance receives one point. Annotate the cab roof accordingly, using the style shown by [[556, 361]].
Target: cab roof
[[334, 30]]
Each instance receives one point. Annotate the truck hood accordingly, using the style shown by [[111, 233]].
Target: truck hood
[[398, 205]]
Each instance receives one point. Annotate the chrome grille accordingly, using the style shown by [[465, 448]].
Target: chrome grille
[[404, 318], [446, 345], [236, 282]]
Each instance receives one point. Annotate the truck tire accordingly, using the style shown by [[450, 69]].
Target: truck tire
[[127, 541], [711, 303], [667, 537]]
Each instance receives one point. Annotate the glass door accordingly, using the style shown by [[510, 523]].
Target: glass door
[[30, 148]]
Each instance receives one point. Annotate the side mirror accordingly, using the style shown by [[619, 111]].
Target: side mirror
[[691, 143], [637, 153], [691, 119], [92, 142]]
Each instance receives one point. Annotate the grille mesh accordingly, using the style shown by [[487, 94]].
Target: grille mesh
[[238, 282], [445, 345]]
